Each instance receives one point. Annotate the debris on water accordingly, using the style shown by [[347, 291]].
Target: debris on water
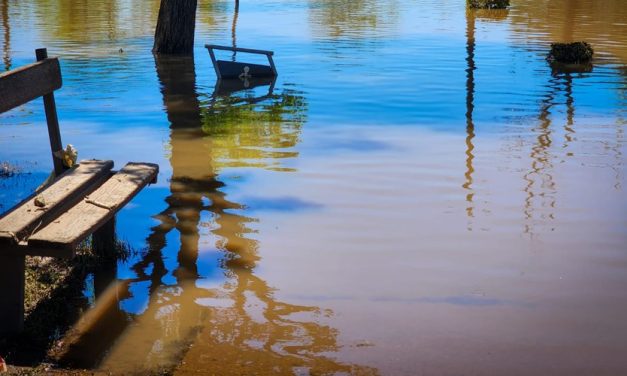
[[488, 4], [39, 201], [364, 344], [571, 53], [7, 170]]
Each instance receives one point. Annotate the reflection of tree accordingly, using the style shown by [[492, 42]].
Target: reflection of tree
[[539, 180], [470, 96], [570, 111], [6, 45], [278, 341], [234, 28], [245, 133], [75, 19], [213, 14], [85, 21], [177, 315], [356, 21], [471, 17], [599, 22]]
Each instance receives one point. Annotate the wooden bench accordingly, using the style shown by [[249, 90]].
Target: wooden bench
[[81, 201]]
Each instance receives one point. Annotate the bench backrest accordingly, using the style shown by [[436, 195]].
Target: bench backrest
[[22, 85], [32, 81]]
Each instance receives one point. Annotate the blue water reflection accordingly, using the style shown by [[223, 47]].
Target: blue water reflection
[[408, 149]]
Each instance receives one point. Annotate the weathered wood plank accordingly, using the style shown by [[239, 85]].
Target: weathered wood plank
[[21, 85], [65, 192], [84, 218], [24, 250]]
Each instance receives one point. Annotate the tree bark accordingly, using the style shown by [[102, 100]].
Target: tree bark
[[174, 34]]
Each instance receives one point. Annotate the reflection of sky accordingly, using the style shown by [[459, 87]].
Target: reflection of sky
[[411, 75], [375, 194], [408, 77], [138, 301]]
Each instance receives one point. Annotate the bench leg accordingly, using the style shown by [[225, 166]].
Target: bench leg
[[12, 294], [103, 240]]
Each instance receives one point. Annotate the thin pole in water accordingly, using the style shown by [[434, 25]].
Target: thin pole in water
[[53, 122]]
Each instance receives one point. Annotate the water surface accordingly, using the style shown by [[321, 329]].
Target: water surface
[[420, 192]]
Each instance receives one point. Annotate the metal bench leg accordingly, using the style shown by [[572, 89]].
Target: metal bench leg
[[12, 293]]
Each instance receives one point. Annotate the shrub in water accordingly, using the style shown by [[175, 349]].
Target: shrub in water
[[571, 53], [488, 4]]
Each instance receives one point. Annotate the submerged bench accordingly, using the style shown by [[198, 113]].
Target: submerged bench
[[81, 201], [234, 69]]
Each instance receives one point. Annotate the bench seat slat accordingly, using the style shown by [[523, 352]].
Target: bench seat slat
[[72, 227], [66, 191]]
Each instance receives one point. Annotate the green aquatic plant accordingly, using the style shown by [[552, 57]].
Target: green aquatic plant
[[571, 53], [488, 4]]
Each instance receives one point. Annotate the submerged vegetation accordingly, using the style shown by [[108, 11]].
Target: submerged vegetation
[[488, 4], [7, 170], [571, 53]]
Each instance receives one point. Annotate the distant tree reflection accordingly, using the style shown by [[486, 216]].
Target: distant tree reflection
[[85, 21], [470, 107], [247, 133], [540, 186], [238, 321], [352, 18], [598, 22]]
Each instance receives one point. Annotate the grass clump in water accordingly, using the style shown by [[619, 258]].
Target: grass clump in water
[[571, 53], [488, 4], [7, 170]]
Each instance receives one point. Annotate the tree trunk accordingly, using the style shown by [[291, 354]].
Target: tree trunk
[[174, 34], [7, 34]]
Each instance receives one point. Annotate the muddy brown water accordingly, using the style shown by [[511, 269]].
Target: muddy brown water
[[419, 193]]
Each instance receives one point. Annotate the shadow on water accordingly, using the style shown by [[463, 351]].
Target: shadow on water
[[193, 324], [62, 284]]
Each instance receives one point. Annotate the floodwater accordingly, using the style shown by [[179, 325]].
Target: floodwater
[[419, 193]]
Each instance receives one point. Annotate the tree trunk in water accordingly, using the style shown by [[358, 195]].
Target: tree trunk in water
[[174, 34]]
